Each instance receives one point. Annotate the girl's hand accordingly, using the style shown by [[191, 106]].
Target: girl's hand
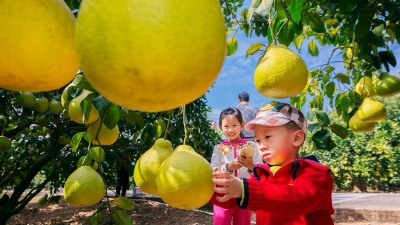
[[235, 164], [229, 185], [246, 161]]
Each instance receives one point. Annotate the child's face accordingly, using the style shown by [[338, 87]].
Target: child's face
[[231, 127], [276, 144]]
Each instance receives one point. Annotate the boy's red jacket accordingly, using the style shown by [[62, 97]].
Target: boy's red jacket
[[300, 193]]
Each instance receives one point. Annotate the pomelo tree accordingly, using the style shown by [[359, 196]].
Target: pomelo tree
[[362, 32]]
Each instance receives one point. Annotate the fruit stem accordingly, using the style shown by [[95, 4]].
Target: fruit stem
[[270, 26], [184, 123], [168, 126]]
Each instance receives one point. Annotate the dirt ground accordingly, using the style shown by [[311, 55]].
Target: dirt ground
[[146, 212]]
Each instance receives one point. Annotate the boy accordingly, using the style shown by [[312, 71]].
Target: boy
[[285, 189]]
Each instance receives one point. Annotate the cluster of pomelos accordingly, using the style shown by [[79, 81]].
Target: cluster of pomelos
[[371, 110], [132, 59], [181, 177]]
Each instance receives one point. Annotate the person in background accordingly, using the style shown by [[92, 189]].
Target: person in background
[[228, 156], [248, 113], [285, 189], [124, 168]]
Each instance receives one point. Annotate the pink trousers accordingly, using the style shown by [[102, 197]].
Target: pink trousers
[[224, 216]]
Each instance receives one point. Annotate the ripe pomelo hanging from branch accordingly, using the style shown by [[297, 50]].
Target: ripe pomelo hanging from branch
[[281, 73], [151, 55], [37, 45]]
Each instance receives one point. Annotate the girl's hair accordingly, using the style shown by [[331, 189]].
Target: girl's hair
[[230, 111]]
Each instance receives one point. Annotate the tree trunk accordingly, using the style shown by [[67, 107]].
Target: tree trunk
[[15, 203]]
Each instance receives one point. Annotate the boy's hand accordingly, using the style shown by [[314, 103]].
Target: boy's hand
[[246, 161], [229, 185]]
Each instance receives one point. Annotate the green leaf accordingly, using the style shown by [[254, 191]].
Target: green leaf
[[120, 217], [295, 8], [76, 139], [298, 40], [346, 6], [139, 119], [101, 103], [254, 48], [312, 48], [315, 22], [378, 30], [339, 130], [363, 23], [330, 89], [95, 218], [388, 56], [323, 117], [135, 137], [343, 78], [130, 117], [232, 46], [80, 162], [112, 116], [124, 203], [314, 127], [329, 69], [86, 106], [286, 33], [322, 140]]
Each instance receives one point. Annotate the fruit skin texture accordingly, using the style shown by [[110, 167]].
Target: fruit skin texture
[[365, 87], [387, 85], [5, 143], [75, 110], [184, 179], [38, 41], [359, 126], [26, 99], [84, 187], [281, 73], [167, 53], [371, 110], [147, 166], [105, 136], [42, 104]]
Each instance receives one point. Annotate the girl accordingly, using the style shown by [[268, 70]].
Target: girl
[[228, 156]]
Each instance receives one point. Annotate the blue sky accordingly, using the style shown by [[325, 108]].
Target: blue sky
[[237, 73]]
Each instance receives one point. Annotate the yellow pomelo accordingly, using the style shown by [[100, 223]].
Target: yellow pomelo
[[84, 187], [37, 45], [5, 143], [184, 179], [281, 73], [146, 168], [387, 85], [359, 126], [75, 110], [55, 107], [166, 53], [42, 104], [365, 87], [26, 99], [105, 136], [371, 110]]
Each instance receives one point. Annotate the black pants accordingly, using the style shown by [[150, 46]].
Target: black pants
[[122, 181]]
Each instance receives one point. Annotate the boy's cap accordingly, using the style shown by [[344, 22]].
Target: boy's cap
[[278, 114]]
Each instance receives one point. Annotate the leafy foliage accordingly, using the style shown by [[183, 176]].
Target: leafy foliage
[[368, 161]]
